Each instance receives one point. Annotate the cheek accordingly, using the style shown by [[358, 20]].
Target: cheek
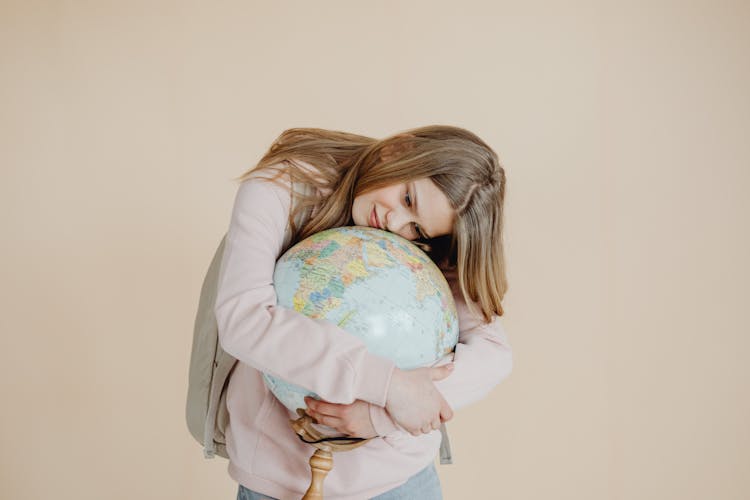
[[357, 210]]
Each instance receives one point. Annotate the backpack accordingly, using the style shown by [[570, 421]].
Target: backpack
[[210, 367]]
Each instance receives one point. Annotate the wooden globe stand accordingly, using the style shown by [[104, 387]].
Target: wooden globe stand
[[321, 461]]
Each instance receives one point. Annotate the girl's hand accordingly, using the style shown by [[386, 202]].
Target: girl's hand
[[352, 420], [414, 402]]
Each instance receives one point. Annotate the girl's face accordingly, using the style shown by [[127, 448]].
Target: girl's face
[[413, 210]]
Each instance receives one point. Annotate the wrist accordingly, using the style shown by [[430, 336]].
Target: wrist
[[393, 384], [382, 422], [373, 385]]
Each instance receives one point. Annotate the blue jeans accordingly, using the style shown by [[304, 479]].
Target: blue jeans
[[424, 485]]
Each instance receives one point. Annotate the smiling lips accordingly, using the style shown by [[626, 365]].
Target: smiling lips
[[374, 221]]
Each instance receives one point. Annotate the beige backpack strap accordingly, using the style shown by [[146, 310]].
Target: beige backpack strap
[[214, 440], [209, 368], [446, 457]]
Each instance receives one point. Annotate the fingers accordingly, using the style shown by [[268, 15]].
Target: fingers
[[347, 422], [320, 412], [433, 426], [414, 402], [333, 422], [331, 409], [440, 372], [446, 412], [426, 429]]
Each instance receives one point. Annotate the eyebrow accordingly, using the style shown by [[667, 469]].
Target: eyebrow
[[416, 209]]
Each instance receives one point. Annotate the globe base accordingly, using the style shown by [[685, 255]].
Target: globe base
[[321, 461]]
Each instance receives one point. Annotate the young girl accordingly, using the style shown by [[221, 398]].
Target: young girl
[[441, 187]]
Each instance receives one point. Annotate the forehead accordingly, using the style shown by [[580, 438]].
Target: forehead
[[435, 212]]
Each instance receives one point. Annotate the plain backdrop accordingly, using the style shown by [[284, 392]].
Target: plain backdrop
[[623, 129]]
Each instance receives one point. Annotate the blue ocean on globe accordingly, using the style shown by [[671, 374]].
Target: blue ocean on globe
[[373, 284]]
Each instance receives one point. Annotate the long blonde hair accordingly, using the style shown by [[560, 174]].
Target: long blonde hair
[[463, 166]]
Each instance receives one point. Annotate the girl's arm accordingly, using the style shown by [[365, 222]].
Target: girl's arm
[[483, 355], [482, 359], [314, 354]]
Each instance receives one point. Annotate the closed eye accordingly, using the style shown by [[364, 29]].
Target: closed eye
[[419, 234], [418, 230]]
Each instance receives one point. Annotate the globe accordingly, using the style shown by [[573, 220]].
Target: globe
[[373, 284]]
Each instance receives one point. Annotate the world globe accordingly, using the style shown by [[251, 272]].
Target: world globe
[[373, 284]]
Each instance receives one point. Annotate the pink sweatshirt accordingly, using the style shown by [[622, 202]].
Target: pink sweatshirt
[[265, 453]]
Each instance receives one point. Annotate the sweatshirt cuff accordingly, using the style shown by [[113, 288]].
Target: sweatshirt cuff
[[374, 378], [381, 421]]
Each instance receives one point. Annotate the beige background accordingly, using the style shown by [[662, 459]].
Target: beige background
[[624, 132]]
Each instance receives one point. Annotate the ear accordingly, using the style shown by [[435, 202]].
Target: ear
[[395, 146]]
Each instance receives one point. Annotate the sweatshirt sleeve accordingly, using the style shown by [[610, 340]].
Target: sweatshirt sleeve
[[483, 356], [482, 359], [311, 353]]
